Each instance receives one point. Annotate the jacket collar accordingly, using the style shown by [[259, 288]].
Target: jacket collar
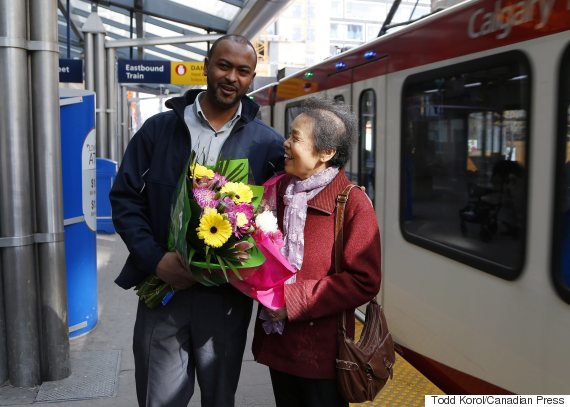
[[324, 201], [248, 107]]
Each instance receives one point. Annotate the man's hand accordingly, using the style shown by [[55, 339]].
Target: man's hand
[[171, 270]]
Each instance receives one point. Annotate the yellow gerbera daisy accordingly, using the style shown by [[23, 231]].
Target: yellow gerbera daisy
[[199, 171], [214, 229], [239, 192]]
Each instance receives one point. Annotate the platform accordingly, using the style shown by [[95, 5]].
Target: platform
[[103, 365]]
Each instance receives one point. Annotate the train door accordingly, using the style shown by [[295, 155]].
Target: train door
[[368, 101], [369, 105], [343, 94]]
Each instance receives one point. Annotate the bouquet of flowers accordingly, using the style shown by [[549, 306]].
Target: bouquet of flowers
[[266, 285], [211, 227]]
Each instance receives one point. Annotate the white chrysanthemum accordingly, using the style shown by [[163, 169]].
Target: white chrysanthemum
[[267, 222]]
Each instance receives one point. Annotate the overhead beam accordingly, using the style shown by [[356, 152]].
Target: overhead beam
[[172, 27], [255, 16], [237, 3], [170, 54], [175, 28], [126, 28], [74, 24], [135, 42], [139, 24], [177, 12]]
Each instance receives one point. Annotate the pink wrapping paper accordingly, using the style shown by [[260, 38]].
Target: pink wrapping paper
[[266, 285]]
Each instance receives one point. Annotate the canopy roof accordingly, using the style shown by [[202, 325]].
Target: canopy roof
[[126, 19]]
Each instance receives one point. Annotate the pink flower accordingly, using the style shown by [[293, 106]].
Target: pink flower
[[205, 197]]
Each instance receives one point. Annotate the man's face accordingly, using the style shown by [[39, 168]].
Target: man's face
[[229, 72]]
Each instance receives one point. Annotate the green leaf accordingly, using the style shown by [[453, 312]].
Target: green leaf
[[257, 195], [223, 267], [256, 259], [235, 170], [180, 214], [191, 253]]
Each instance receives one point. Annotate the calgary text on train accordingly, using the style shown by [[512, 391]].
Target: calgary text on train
[[502, 18]]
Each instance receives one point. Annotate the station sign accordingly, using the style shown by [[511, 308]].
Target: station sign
[[71, 70], [187, 73], [166, 72], [132, 71]]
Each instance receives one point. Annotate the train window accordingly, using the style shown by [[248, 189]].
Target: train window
[[561, 238], [367, 141], [464, 162], [291, 111]]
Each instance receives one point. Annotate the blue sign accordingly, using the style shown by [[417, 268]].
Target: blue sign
[[132, 71], [71, 70]]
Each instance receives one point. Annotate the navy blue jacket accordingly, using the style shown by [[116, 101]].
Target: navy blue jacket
[[142, 192]]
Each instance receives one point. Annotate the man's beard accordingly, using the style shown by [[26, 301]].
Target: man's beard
[[222, 102]]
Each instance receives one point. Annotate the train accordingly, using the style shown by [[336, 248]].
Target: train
[[463, 146]]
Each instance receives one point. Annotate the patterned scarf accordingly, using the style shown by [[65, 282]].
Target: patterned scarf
[[297, 194]]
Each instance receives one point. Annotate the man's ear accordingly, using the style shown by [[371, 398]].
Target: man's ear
[[205, 71], [327, 154]]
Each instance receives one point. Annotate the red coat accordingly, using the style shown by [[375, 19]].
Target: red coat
[[308, 346]]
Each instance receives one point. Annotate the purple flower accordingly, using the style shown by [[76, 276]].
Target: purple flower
[[219, 180], [240, 216], [205, 197]]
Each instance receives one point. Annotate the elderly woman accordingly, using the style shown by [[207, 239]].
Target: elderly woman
[[302, 359]]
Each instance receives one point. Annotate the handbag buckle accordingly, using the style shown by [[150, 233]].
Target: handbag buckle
[[389, 366], [342, 198]]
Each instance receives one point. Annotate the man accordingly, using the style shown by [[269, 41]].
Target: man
[[201, 332]]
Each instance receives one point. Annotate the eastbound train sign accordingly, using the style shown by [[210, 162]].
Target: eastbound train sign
[[143, 71]]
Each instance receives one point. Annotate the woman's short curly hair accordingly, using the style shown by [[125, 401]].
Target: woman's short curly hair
[[334, 127]]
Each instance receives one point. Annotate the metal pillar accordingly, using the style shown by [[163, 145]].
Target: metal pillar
[[95, 76], [112, 86], [101, 96], [16, 200], [89, 62], [49, 191], [126, 136], [3, 355]]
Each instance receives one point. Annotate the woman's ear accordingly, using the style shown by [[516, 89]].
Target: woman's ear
[[327, 154]]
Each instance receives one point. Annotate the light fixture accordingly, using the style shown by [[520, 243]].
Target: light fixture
[[340, 65]]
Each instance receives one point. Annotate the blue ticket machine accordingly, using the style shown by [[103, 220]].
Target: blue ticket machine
[[106, 172], [77, 112]]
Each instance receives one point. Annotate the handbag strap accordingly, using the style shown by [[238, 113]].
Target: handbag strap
[[341, 200]]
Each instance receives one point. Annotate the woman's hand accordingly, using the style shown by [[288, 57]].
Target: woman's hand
[[278, 314]]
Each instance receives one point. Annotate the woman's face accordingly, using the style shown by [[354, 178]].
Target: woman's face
[[301, 157]]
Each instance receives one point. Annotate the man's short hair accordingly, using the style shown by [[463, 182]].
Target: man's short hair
[[240, 39]]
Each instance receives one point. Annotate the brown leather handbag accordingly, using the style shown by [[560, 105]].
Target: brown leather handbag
[[363, 368]]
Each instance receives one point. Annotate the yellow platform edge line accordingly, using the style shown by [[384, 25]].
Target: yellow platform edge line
[[408, 388]]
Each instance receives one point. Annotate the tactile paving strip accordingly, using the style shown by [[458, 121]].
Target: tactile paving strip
[[408, 388], [94, 374]]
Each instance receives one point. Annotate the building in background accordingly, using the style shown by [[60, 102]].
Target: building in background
[[309, 31]]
